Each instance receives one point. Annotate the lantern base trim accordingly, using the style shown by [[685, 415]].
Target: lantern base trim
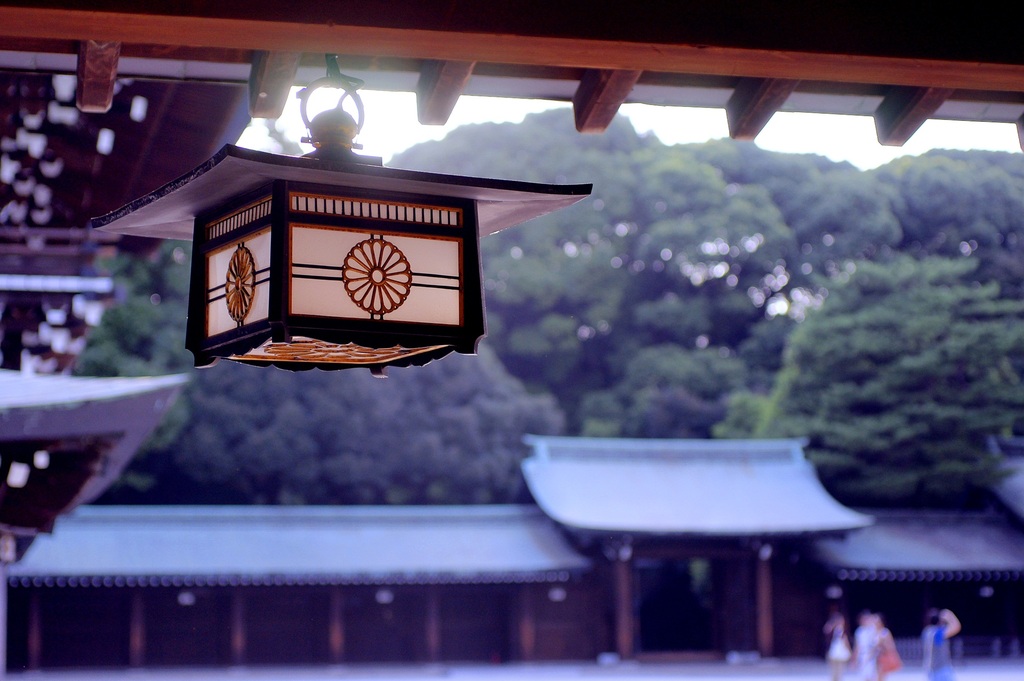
[[303, 352]]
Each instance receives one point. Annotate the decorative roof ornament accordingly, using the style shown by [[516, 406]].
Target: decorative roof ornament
[[332, 132]]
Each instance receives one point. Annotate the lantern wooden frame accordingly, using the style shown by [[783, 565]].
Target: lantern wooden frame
[[274, 214]]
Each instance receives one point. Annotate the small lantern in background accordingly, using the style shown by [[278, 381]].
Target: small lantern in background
[[332, 260]]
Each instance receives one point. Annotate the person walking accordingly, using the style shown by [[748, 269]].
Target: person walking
[[888, 657], [839, 653], [941, 626], [865, 646]]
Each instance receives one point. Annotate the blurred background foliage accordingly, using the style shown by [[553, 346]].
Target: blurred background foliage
[[711, 290]]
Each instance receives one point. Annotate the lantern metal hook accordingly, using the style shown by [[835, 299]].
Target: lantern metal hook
[[332, 131]]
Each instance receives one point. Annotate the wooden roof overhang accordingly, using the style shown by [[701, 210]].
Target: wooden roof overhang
[[87, 430], [902, 64]]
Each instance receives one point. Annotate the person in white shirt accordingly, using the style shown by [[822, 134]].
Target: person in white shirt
[[838, 655], [865, 646]]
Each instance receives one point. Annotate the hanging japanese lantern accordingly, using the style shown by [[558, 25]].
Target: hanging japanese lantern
[[332, 260]]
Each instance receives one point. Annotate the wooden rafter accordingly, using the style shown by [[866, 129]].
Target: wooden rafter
[[440, 85], [904, 110], [97, 73], [753, 103], [270, 82], [599, 96]]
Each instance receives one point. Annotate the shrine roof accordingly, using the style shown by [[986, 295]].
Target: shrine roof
[[20, 391], [71, 437], [277, 544], [707, 488], [1010, 490], [928, 546]]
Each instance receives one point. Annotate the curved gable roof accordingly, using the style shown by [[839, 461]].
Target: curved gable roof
[[683, 487]]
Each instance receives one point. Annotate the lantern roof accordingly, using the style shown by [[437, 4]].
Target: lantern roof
[[169, 212]]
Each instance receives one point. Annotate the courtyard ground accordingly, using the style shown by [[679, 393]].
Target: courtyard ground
[[768, 670]]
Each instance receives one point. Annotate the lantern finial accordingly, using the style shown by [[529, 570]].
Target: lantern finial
[[332, 132]]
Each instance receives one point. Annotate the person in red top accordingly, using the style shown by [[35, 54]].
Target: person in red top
[[888, 658]]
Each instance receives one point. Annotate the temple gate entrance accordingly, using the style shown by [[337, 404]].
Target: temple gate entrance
[[675, 605]]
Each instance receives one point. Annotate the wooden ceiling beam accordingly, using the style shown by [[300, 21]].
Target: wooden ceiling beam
[[655, 44], [440, 85], [753, 103], [97, 73], [599, 96], [904, 110], [807, 26], [270, 81]]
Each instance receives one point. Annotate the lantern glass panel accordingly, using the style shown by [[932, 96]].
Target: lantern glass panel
[[238, 288], [354, 274]]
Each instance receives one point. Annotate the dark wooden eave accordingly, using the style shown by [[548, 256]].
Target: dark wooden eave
[[844, 57]]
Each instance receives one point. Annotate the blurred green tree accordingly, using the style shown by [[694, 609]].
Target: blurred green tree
[[898, 380], [449, 432]]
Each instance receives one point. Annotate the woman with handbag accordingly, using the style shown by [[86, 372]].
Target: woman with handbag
[[888, 658]]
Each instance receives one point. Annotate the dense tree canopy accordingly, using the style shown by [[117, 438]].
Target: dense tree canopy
[[450, 432], [722, 251], [703, 290], [898, 380]]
